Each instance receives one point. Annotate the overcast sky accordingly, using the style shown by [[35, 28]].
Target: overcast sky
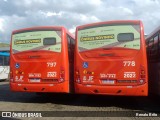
[[16, 14]]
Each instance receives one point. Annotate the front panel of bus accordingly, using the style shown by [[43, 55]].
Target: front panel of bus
[[111, 60], [37, 61]]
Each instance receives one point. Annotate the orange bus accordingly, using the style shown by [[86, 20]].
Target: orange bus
[[110, 59], [153, 51], [42, 60]]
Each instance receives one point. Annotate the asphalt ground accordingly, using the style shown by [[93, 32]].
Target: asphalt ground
[[80, 107]]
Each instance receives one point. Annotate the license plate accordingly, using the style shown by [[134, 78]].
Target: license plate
[[34, 80], [107, 81]]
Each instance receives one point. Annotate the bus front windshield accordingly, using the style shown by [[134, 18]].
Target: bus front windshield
[[36, 40], [109, 36]]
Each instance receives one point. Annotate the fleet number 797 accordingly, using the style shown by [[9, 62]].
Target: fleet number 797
[[51, 64]]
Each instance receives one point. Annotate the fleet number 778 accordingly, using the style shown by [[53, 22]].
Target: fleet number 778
[[129, 63]]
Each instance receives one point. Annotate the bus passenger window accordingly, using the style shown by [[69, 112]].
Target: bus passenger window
[[6, 60], [159, 41], [156, 42], [69, 42], [1, 60], [49, 41], [124, 37], [151, 43]]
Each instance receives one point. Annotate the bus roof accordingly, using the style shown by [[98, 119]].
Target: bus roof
[[43, 28], [39, 28], [110, 22], [4, 54], [153, 32]]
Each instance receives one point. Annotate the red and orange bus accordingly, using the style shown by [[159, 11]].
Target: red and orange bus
[[42, 60], [153, 51], [110, 59]]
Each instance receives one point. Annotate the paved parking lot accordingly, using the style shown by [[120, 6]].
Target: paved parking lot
[[77, 106]]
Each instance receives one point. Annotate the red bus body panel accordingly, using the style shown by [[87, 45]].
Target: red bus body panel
[[40, 71], [108, 66]]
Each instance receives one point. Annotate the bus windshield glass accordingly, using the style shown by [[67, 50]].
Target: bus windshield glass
[[109, 36], [48, 40]]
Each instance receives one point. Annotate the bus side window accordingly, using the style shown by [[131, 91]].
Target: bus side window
[[69, 43], [1, 61], [6, 61], [70, 46], [150, 47], [155, 49], [147, 43], [159, 42]]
